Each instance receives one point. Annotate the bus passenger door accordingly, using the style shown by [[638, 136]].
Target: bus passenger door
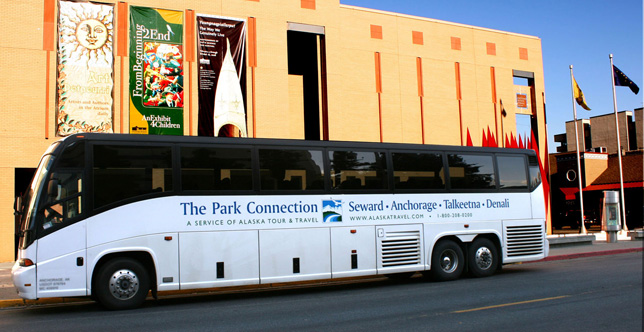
[[62, 254], [61, 268]]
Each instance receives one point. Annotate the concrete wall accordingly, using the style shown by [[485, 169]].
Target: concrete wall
[[604, 133], [570, 134], [638, 115]]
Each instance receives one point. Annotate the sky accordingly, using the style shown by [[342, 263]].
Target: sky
[[581, 33]]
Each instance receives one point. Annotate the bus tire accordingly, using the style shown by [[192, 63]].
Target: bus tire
[[447, 261], [482, 258], [123, 283]]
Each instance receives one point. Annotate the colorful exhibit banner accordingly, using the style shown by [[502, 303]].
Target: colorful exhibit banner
[[222, 76], [85, 59], [156, 71]]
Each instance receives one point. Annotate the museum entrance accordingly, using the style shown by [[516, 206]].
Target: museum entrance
[[307, 58]]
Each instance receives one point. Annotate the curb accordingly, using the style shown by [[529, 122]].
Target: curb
[[588, 254], [567, 241], [21, 303], [16, 303]]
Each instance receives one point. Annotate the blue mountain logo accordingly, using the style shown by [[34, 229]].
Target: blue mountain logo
[[331, 210]]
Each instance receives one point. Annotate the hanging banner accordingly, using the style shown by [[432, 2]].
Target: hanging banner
[[156, 71], [85, 59], [222, 76]]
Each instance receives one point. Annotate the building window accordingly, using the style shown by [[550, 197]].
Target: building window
[[376, 31], [523, 53], [417, 37], [308, 4], [456, 43], [491, 48]]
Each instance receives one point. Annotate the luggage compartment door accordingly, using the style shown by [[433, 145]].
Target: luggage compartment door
[[400, 248], [294, 254], [353, 251]]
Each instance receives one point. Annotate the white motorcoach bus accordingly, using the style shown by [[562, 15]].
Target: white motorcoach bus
[[117, 216]]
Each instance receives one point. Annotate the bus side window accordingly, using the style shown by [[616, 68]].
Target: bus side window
[[512, 173], [358, 170], [418, 171], [535, 172], [470, 171], [291, 169], [208, 168], [122, 172]]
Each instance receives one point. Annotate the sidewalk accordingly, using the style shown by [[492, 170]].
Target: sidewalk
[[598, 247]]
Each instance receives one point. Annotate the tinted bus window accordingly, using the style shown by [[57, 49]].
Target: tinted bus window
[[73, 156], [418, 171], [291, 169], [358, 170], [122, 172], [471, 171], [205, 168], [512, 173], [535, 172], [67, 183]]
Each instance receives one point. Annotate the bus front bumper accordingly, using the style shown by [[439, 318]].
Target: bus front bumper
[[547, 249], [24, 279]]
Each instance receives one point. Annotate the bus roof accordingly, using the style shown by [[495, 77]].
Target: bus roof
[[134, 138]]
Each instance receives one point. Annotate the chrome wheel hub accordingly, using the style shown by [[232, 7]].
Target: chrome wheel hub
[[124, 284], [483, 258], [449, 261]]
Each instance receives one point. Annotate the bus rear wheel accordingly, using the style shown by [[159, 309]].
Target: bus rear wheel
[[483, 258], [447, 261], [123, 283]]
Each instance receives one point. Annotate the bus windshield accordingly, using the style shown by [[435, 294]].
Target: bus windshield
[[31, 200]]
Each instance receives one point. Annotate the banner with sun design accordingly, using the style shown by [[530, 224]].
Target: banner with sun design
[[156, 71], [85, 68]]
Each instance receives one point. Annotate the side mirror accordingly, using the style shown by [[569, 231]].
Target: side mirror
[[53, 189], [17, 206]]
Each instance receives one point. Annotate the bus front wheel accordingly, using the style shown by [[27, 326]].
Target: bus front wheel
[[447, 261], [123, 283], [483, 258]]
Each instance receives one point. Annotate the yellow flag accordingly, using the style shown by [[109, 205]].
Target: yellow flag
[[579, 96]]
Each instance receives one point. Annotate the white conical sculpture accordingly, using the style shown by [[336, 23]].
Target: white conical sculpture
[[229, 100]]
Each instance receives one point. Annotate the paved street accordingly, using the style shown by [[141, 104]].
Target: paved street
[[584, 294]]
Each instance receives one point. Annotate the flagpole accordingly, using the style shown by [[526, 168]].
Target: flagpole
[[619, 147], [582, 228]]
